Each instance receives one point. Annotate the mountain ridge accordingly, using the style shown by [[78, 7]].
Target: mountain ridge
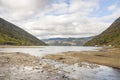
[[111, 36], [67, 41], [11, 34]]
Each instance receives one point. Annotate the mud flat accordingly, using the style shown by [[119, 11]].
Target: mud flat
[[106, 56], [64, 66]]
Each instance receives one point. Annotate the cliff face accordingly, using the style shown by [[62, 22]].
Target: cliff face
[[10, 34], [111, 36]]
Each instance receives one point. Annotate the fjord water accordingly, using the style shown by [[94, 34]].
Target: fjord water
[[99, 73]]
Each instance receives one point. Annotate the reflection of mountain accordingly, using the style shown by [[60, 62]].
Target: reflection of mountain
[[10, 34], [111, 36], [67, 41]]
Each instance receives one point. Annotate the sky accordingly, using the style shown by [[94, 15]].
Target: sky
[[61, 18]]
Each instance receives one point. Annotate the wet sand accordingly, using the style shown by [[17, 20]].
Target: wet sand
[[106, 56]]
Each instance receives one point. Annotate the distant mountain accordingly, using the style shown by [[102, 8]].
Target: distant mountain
[[66, 41], [111, 36], [10, 34]]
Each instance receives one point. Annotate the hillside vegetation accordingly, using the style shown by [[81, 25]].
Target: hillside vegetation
[[111, 36], [10, 34]]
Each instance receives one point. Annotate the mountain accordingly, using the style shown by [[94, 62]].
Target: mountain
[[66, 41], [10, 34], [111, 36]]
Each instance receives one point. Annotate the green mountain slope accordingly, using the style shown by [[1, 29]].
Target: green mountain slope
[[111, 36], [10, 34]]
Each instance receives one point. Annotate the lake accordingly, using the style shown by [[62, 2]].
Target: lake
[[44, 50]]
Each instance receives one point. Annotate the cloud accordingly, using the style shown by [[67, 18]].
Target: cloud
[[114, 15], [84, 6], [25, 4], [57, 18], [67, 25], [112, 7], [23, 9]]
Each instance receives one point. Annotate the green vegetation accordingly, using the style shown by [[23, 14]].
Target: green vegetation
[[111, 36], [12, 35]]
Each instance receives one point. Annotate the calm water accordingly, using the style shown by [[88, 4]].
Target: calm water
[[100, 73], [44, 50]]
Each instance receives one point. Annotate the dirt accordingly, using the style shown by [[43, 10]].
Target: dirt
[[109, 57]]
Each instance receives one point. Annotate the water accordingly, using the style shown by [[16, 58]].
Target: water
[[44, 50], [98, 73], [85, 72]]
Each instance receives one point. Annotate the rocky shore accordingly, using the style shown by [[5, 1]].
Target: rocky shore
[[20, 66]]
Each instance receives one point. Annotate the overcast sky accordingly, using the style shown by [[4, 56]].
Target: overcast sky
[[61, 18]]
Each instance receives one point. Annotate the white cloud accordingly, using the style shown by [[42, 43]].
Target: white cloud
[[47, 18], [23, 9], [114, 15], [67, 25], [112, 7], [14, 4], [83, 6]]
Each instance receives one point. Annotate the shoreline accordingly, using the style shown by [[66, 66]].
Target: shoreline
[[106, 56], [20, 66]]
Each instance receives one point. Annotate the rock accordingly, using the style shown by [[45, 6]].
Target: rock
[[2, 75]]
